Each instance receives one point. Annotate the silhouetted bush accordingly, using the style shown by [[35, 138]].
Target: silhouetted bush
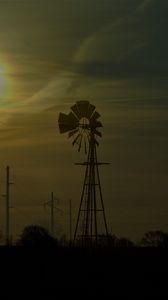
[[155, 239], [36, 236]]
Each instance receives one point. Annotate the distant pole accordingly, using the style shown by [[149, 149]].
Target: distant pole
[[70, 219], [7, 204], [52, 213], [51, 203]]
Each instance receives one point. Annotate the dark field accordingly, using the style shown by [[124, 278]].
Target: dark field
[[131, 272]]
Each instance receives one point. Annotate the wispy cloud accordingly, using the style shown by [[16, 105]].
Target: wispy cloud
[[143, 5], [51, 94]]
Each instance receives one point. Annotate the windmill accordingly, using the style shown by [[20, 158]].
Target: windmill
[[82, 125]]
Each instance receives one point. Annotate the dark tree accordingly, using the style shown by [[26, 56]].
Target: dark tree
[[155, 239], [36, 236]]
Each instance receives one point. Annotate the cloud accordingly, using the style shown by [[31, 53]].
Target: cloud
[[51, 94], [134, 46], [115, 49], [130, 48], [144, 5]]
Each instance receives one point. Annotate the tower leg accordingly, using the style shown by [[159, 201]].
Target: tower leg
[[89, 204], [82, 199], [100, 191]]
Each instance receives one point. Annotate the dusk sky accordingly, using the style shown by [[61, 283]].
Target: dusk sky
[[113, 53]]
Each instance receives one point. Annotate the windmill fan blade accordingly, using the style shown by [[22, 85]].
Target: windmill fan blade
[[71, 133], [85, 145], [96, 142], [72, 118], [83, 108], [95, 116], [67, 122], [64, 128], [97, 133], [80, 143], [95, 124], [98, 124], [76, 139], [76, 111], [91, 109]]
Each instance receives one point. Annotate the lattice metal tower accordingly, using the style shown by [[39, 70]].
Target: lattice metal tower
[[82, 125]]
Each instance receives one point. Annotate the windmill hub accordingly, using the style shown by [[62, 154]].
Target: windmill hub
[[84, 123]]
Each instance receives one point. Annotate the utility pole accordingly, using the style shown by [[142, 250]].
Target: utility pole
[[70, 219], [52, 214], [7, 195], [51, 203], [7, 204]]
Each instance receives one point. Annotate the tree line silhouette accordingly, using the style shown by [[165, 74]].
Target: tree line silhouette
[[38, 236]]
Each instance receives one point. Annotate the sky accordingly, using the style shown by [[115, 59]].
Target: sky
[[112, 53]]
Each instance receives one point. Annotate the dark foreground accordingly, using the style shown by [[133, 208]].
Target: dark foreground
[[136, 273]]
